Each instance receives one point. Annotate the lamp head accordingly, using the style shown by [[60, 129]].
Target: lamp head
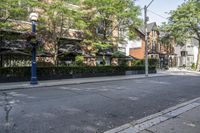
[[33, 17]]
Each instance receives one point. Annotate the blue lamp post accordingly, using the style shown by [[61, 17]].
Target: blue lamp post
[[33, 18]]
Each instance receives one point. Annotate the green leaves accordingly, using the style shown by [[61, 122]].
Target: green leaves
[[58, 16], [102, 45], [104, 18], [185, 21]]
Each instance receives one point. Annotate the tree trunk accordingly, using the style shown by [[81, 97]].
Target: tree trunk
[[56, 54], [1, 64], [198, 59]]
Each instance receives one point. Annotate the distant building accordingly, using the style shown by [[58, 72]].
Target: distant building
[[187, 54], [124, 45], [164, 53], [168, 57], [137, 48]]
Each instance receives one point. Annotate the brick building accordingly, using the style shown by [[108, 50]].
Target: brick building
[[138, 47], [163, 51], [168, 57]]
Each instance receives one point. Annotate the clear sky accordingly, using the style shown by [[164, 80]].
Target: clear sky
[[159, 7]]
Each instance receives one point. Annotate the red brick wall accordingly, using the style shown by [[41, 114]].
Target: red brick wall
[[138, 52]]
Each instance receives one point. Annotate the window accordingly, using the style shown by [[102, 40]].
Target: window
[[137, 43], [122, 32], [183, 53], [104, 27], [101, 28], [153, 46]]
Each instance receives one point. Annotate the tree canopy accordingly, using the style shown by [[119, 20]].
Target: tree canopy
[[184, 23], [101, 21], [105, 18]]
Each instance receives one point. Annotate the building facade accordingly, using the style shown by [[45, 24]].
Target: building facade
[[168, 57], [187, 54], [138, 46]]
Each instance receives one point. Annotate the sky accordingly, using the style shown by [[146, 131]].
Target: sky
[[157, 11]]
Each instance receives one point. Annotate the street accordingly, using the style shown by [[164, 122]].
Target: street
[[94, 107]]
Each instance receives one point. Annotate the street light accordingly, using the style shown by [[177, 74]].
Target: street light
[[146, 39], [33, 17]]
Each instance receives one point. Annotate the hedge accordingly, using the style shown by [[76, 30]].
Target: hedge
[[43, 73], [152, 62]]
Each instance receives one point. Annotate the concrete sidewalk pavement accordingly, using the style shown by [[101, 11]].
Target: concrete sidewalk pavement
[[183, 118], [188, 122], [48, 83]]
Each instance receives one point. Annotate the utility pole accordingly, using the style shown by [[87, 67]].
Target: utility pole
[[146, 42], [146, 39]]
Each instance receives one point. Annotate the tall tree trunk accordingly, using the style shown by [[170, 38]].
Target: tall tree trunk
[[198, 59], [56, 53]]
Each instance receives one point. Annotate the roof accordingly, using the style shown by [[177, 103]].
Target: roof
[[130, 58], [150, 27], [44, 54], [134, 58], [18, 44]]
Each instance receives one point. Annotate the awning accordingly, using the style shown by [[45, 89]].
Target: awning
[[44, 54], [14, 52]]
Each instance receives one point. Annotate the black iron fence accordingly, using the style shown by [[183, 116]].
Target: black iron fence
[[11, 74]]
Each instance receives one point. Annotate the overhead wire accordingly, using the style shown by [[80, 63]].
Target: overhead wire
[[157, 14]]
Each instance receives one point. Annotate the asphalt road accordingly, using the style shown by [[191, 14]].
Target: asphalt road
[[94, 107]]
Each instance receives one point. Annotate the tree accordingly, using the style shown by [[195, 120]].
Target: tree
[[16, 10], [57, 19], [14, 15], [166, 38], [105, 18], [184, 23]]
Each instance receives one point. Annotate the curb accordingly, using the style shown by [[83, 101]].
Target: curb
[[28, 86], [152, 120]]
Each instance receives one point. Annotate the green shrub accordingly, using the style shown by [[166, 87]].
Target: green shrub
[[152, 62], [79, 59], [15, 71], [138, 62], [44, 64], [193, 66], [62, 71]]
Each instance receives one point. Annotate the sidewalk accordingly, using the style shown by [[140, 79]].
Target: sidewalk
[[183, 118], [48, 83], [182, 70]]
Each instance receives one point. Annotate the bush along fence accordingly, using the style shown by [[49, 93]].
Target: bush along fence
[[14, 74]]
